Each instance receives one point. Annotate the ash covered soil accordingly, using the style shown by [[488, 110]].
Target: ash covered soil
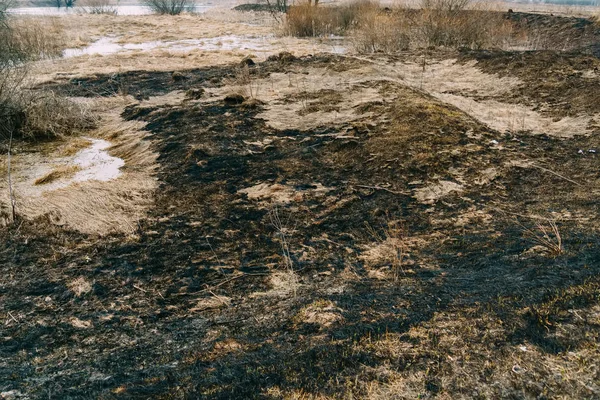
[[404, 252]]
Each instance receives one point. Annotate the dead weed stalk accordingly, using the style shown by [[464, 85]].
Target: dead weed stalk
[[281, 233], [546, 234], [249, 86]]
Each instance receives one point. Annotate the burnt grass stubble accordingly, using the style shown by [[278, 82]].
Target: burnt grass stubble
[[145, 342]]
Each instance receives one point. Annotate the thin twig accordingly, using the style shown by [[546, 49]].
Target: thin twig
[[216, 256], [139, 288], [10, 188], [557, 174], [12, 317], [382, 188]]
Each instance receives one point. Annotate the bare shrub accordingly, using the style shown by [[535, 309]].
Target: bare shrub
[[4, 6], [438, 23], [306, 20], [26, 112], [381, 32], [99, 6], [170, 7], [448, 23]]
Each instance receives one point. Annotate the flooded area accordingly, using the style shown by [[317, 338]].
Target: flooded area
[[96, 163], [268, 43], [53, 172], [118, 10]]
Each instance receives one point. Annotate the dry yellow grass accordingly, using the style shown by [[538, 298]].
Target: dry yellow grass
[[74, 146], [445, 23], [64, 171]]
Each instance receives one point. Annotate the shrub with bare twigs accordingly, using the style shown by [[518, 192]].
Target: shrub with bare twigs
[[438, 23], [26, 112], [170, 7]]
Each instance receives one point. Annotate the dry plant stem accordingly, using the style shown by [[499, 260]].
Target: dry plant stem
[[216, 256], [11, 194], [557, 174], [394, 234], [280, 228], [543, 236]]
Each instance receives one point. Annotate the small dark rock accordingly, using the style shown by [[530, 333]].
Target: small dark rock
[[178, 76], [233, 99], [247, 62]]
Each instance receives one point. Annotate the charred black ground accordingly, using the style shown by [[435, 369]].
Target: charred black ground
[[472, 285]]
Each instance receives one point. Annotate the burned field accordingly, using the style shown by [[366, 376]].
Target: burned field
[[383, 243]]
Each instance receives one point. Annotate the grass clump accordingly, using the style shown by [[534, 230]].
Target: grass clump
[[66, 171]]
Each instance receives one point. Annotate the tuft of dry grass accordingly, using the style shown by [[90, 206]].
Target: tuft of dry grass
[[48, 114], [546, 234], [382, 32], [65, 171], [74, 146], [31, 38], [247, 86], [391, 249]]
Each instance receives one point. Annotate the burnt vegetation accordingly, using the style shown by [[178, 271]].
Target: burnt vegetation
[[369, 283]]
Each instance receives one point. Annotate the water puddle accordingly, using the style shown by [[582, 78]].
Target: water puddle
[[120, 10], [96, 163], [268, 43], [90, 164]]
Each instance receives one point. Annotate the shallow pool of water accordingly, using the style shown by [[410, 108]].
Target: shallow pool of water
[[120, 10], [107, 45], [96, 163]]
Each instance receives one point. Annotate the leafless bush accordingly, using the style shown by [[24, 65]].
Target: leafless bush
[[381, 32], [171, 7], [26, 112], [99, 6], [446, 23], [4, 6], [306, 20]]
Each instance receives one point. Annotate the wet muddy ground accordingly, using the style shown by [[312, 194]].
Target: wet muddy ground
[[403, 252]]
